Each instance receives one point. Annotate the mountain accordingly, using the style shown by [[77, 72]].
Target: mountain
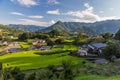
[[5, 31], [27, 28], [88, 28], [74, 27]]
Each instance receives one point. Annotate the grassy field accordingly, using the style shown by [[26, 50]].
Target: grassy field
[[70, 47], [28, 60], [25, 44], [89, 77], [96, 77]]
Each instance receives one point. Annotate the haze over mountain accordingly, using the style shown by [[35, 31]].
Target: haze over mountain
[[88, 28], [27, 28]]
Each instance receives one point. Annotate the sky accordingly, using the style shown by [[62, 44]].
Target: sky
[[48, 12]]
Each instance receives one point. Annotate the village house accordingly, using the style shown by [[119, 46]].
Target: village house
[[96, 47], [15, 44], [38, 43], [5, 43], [82, 51], [12, 47]]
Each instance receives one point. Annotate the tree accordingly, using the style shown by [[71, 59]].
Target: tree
[[59, 41], [117, 35], [107, 35], [13, 73], [111, 50], [23, 36], [54, 33], [32, 76], [68, 70], [81, 39], [50, 42], [20, 76]]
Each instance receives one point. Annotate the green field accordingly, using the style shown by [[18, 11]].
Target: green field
[[28, 60], [96, 77], [25, 44]]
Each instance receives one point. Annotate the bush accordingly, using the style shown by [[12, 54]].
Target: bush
[[111, 50], [32, 76], [49, 52], [13, 73]]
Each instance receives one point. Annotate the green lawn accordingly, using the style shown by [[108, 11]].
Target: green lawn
[[89, 77], [96, 77], [28, 60], [70, 47], [25, 44]]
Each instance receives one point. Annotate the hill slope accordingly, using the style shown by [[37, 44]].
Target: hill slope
[[74, 27], [26, 28], [88, 28], [5, 30]]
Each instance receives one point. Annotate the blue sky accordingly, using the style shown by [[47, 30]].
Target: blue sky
[[47, 12]]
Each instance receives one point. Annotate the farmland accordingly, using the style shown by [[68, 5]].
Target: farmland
[[28, 60]]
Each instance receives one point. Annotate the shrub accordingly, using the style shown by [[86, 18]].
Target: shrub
[[111, 50], [49, 52]]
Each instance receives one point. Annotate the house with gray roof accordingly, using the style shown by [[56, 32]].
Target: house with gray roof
[[97, 45]]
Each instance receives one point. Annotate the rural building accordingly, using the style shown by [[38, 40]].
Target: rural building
[[82, 52], [97, 46], [5, 43], [38, 43], [13, 50]]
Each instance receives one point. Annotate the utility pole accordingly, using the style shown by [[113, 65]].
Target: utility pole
[[1, 72]]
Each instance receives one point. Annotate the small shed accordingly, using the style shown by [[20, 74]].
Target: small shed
[[82, 52]]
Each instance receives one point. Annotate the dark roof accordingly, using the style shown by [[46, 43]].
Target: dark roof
[[13, 49], [98, 45]]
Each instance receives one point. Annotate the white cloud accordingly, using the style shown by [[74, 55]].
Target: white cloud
[[101, 11], [32, 16], [109, 18], [52, 21], [55, 12], [17, 13], [89, 8], [86, 15], [27, 3], [35, 22], [53, 2], [111, 9], [35, 16]]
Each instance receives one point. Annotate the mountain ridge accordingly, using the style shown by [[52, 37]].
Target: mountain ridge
[[88, 28], [26, 28], [80, 27]]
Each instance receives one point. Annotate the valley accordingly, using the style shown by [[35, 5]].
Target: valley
[[34, 52], [59, 40]]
